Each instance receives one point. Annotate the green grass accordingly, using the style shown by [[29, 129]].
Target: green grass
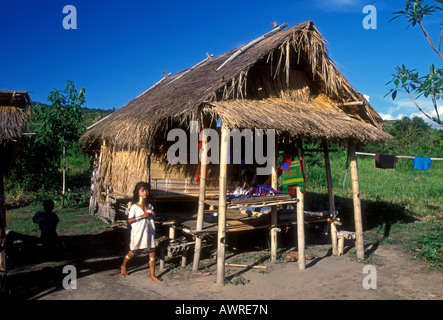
[[418, 193], [73, 220], [423, 239], [391, 199]]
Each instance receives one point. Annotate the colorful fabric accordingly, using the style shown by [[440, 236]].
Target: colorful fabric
[[286, 163], [294, 176], [263, 189], [422, 163], [200, 144]]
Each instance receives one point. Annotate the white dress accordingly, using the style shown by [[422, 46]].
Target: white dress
[[143, 231]]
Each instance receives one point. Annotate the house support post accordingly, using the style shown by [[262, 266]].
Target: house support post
[[201, 202], [221, 236], [274, 217], [331, 197], [359, 246], [300, 217]]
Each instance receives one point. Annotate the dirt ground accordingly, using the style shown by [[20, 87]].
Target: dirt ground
[[97, 259]]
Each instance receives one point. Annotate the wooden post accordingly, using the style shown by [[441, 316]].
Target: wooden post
[[300, 217], [221, 236], [64, 177], [184, 257], [359, 246], [171, 235], [331, 196], [274, 217], [148, 162], [201, 202]]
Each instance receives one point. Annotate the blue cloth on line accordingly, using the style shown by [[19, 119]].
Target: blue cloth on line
[[422, 163]]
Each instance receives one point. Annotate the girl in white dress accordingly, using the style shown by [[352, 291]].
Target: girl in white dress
[[142, 229]]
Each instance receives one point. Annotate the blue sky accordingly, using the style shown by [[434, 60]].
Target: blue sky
[[121, 48]]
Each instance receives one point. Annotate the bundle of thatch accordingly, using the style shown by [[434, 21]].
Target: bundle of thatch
[[283, 80], [12, 118]]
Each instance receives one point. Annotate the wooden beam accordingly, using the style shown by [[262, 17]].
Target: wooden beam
[[400, 157], [221, 235], [300, 217], [274, 216], [201, 201], [250, 44], [352, 103], [330, 195], [359, 246]]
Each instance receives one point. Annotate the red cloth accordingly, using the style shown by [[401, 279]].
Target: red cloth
[[198, 170]]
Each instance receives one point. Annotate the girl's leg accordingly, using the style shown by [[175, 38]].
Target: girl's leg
[[152, 268], [125, 261]]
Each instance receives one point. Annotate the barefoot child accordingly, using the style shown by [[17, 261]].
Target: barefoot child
[[142, 229]]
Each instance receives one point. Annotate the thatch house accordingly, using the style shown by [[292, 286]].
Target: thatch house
[[12, 126], [283, 80]]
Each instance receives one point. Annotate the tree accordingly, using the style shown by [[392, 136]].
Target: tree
[[60, 124], [408, 80]]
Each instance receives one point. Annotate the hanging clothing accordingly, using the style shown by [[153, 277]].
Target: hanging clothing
[[286, 162], [200, 144], [422, 163], [385, 161], [294, 176]]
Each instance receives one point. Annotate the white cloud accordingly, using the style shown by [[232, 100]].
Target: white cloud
[[339, 5], [406, 108]]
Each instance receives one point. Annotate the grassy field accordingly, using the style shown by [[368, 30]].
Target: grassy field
[[73, 220], [403, 190]]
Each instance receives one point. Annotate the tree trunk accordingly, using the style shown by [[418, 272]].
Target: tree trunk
[[64, 177]]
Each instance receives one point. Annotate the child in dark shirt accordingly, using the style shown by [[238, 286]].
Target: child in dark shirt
[[47, 222]]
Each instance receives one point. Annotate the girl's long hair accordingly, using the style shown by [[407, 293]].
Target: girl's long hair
[[137, 188]]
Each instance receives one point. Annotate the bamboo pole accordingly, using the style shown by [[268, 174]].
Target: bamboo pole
[[359, 246], [201, 201], [331, 196], [300, 218], [171, 235], [274, 217], [64, 177], [221, 236]]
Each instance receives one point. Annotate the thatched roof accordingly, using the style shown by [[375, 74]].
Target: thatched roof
[[12, 118], [283, 80]]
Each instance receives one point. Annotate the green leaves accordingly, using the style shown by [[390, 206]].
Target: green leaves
[[403, 79], [56, 125], [431, 85], [62, 120], [415, 11]]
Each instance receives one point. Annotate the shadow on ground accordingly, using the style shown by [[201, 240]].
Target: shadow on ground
[[32, 273]]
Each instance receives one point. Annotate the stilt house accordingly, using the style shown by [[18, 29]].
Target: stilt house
[[283, 80]]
